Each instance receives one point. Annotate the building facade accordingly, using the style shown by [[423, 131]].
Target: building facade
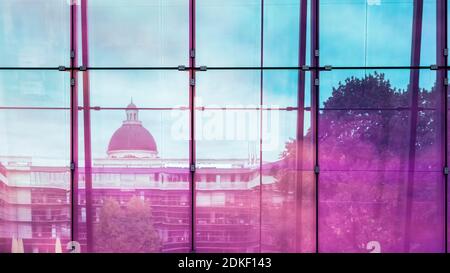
[[35, 201]]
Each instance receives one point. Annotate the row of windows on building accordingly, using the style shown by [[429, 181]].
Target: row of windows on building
[[64, 177]]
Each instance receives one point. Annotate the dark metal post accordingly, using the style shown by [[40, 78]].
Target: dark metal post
[[315, 103], [192, 116], [414, 90], [74, 121], [87, 127], [261, 101], [442, 112], [300, 124]]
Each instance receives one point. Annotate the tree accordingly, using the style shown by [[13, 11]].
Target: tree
[[127, 229], [369, 113], [363, 152]]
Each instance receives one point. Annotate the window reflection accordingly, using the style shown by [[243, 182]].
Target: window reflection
[[378, 147]]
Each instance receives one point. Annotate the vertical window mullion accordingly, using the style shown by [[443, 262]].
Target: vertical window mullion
[[442, 90], [261, 101], [192, 157], [414, 90], [300, 124], [74, 121], [315, 103], [87, 127]]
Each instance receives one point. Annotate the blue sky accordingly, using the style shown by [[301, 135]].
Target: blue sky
[[155, 33]]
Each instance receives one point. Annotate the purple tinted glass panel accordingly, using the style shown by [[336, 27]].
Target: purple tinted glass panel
[[140, 177], [381, 183], [448, 157], [34, 161], [122, 143], [365, 211], [227, 134], [288, 204], [227, 179], [34, 180], [288, 183]]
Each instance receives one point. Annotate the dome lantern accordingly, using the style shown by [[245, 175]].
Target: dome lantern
[[132, 112], [132, 140]]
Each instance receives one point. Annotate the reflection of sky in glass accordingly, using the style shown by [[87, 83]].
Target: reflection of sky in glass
[[373, 35], [155, 33], [138, 33], [34, 33]]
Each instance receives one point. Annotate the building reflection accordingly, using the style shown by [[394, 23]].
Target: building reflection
[[35, 200]]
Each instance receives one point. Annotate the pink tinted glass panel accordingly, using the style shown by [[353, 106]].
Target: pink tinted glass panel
[[140, 177], [381, 183], [34, 180]]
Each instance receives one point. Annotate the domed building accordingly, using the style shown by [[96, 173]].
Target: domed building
[[227, 206], [132, 140]]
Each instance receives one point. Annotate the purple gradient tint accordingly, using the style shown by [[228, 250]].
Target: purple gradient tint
[[358, 162], [372, 186], [357, 207]]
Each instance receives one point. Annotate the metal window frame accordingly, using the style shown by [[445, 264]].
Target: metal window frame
[[315, 69]]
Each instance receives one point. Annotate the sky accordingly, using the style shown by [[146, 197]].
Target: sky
[[156, 33]]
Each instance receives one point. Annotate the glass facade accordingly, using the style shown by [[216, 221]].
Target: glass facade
[[224, 126]]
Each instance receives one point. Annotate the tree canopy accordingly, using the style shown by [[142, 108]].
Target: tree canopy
[[364, 155], [126, 229]]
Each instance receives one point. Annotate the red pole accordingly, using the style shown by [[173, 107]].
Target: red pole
[[441, 88], [192, 117], [414, 89], [315, 103], [87, 127], [300, 125], [74, 122], [261, 97]]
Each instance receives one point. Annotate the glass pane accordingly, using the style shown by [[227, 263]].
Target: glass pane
[[227, 135], [138, 33], [147, 89], [34, 180], [288, 195], [140, 179], [231, 88], [366, 211], [381, 170], [228, 33], [287, 180], [281, 88], [281, 37], [448, 157], [375, 33], [227, 181], [165, 137], [34, 33], [37, 88]]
